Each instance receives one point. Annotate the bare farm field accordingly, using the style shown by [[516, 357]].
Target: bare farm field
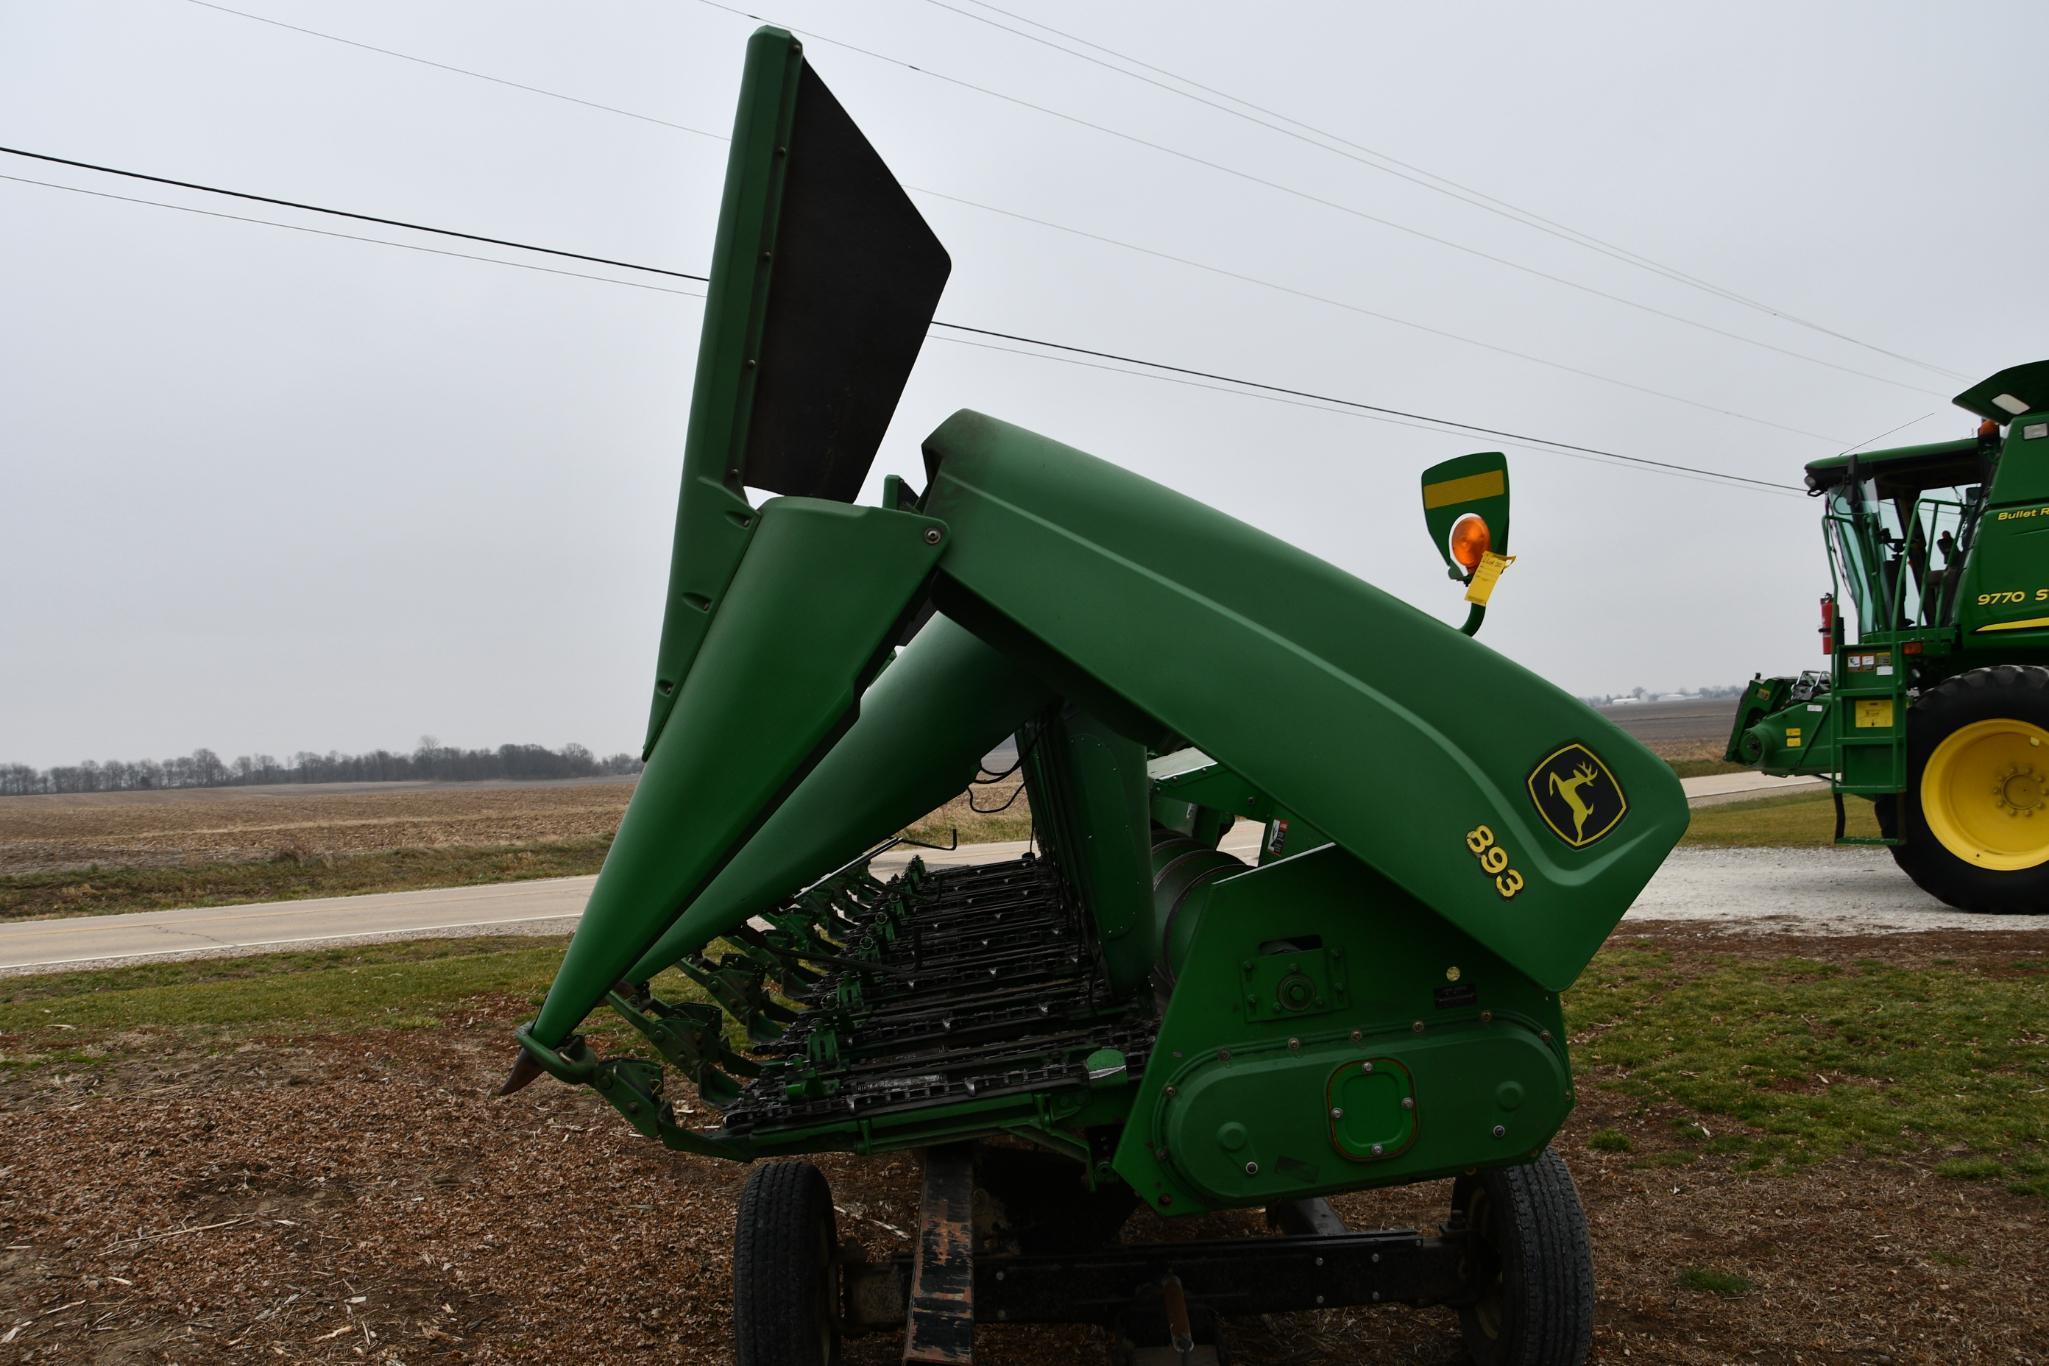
[[1791, 1150], [102, 853], [138, 851], [330, 820]]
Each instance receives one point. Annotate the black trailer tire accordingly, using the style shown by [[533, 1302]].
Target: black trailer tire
[[785, 1269], [1533, 1263], [2006, 705]]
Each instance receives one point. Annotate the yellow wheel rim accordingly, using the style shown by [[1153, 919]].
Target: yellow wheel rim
[[1985, 794]]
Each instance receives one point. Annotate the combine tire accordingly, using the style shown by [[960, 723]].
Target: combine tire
[[785, 1276], [1531, 1266], [1976, 808]]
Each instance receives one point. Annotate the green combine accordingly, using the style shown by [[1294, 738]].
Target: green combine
[[1129, 1012], [1937, 709]]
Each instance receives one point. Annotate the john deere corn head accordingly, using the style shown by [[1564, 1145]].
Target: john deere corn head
[[1937, 710], [1146, 1008]]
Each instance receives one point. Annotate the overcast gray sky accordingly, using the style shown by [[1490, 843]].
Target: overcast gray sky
[[264, 490]]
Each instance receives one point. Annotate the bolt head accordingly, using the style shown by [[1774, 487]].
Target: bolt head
[[1337, 1112], [932, 535], [1252, 1169], [1500, 1131], [1378, 1150], [1365, 1067]]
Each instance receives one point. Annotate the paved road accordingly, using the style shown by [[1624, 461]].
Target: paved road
[[1717, 788], [1803, 891], [543, 904], [1823, 890]]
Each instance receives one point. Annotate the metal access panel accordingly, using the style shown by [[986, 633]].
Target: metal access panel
[[823, 281], [852, 277]]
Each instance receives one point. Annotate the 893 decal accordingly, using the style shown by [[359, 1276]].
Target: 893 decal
[[1493, 860]]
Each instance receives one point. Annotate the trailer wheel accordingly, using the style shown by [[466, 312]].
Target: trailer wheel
[[785, 1273], [1531, 1263], [1976, 807]]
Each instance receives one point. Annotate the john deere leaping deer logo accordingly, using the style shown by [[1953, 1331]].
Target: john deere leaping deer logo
[[1568, 788], [1577, 795]]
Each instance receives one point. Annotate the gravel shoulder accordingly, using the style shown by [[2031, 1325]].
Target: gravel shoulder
[[1808, 891]]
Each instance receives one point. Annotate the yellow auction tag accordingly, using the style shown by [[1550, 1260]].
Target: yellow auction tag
[[1486, 576]]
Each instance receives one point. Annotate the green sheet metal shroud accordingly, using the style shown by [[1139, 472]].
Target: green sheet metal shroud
[[1387, 730]]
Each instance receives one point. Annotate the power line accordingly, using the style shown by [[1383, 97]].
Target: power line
[[1712, 478], [1321, 139], [1305, 195], [1395, 166], [1910, 422], [684, 275], [990, 208], [1677, 472], [374, 241], [1252, 387], [1094, 237], [1306, 394], [1364, 311], [339, 213], [458, 70]]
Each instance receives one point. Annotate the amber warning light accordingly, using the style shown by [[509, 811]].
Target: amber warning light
[[1470, 541]]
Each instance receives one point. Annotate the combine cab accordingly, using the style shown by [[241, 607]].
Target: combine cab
[[1366, 995], [1935, 707]]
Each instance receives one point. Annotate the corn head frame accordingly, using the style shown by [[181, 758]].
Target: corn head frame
[[1127, 1013]]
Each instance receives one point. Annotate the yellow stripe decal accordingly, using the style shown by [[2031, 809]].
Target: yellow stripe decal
[[1490, 484], [2030, 624]]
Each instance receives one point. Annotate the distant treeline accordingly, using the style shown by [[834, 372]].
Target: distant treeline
[[1714, 693], [431, 761]]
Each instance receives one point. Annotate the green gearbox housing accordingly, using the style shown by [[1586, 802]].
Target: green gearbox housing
[[1373, 999]]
